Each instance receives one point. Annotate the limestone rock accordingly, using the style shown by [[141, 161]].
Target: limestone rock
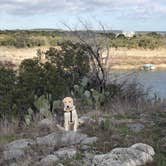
[[136, 127], [89, 141], [66, 153], [85, 120], [49, 160], [19, 144], [138, 154], [59, 164], [144, 147], [47, 122], [13, 154], [15, 149], [61, 138]]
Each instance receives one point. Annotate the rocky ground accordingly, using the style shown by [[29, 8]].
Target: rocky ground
[[103, 139]]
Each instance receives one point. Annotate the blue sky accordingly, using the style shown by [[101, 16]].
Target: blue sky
[[129, 15]]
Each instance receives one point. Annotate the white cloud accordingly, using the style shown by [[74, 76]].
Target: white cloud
[[137, 8], [35, 6]]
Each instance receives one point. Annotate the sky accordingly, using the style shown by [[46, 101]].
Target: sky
[[127, 15]]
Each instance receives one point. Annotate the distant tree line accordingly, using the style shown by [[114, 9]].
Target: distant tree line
[[24, 38]]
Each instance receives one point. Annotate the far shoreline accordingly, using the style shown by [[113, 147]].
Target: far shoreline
[[120, 58], [159, 67]]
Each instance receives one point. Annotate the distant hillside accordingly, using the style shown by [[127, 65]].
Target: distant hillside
[[50, 37]]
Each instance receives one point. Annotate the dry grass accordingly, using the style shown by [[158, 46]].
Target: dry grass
[[10, 131], [16, 56], [7, 127], [7, 131], [121, 58]]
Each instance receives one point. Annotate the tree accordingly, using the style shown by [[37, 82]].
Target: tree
[[31, 76], [71, 60], [7, 88], [61, 70], [97, 46], [154, 35], [121, 36]]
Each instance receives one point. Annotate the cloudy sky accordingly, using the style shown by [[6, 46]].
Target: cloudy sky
[[127, 15]]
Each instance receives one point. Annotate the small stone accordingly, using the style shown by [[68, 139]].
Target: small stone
[[13, 164], [49, 160], [88, 159], [66, 153], [84, 147], [47, 122], [13, 154], [59, 164], [19, 144], [89, 141], [136, 127], [144, 147], [89, 156], [85, 120]]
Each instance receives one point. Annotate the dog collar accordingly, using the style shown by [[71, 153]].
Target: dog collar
[[71, 119]]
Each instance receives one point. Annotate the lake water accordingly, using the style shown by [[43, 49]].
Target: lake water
[[155, 80]]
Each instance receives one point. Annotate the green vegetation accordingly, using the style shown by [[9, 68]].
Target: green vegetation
[[52, 80], [145, 41], [7, 138], [25, 38], [38, 87]]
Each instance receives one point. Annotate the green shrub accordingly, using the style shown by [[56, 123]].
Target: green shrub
[[7, 88]]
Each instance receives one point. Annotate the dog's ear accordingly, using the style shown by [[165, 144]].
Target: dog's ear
[[63, 100]]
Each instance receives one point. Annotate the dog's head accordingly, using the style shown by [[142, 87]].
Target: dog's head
[[68, 104]]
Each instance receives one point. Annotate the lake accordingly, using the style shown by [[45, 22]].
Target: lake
[[156, 80]]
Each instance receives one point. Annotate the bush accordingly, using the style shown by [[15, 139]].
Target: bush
[[65, 72], [62, 69], [22, 39], [149, 41], [7, 87]]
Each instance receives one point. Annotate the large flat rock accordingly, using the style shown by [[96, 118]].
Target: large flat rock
[[62, 138], [136, 155]]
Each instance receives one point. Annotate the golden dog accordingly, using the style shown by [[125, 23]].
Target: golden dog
[[70, 114]]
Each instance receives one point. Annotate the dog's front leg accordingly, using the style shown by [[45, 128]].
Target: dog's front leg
[[76, 123], [75, 127], [66, 122], [66, 125]]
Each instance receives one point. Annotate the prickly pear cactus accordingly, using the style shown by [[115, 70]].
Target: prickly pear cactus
[[28, 117], [49, 97], [87, 94], [95, 95], [84, 81], [78, 91], [56, 104], [98, 97], [43, 105]]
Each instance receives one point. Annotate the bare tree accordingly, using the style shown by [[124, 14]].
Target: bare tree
[[97, 45]]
